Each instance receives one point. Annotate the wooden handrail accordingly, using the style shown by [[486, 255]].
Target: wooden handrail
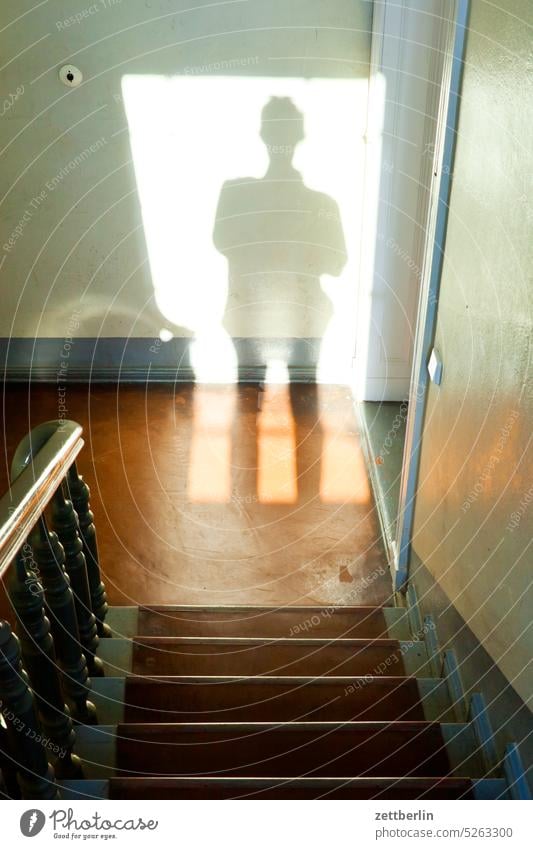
[[56, 596], [45, 464]]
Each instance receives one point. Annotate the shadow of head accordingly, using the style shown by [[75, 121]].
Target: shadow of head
[[282, 126]]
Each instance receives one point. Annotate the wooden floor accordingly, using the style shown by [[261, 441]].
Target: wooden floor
[[219, 495]]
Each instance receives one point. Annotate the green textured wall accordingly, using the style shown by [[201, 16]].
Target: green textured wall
[[474, 510]]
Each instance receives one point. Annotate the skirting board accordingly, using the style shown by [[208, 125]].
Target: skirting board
[[144, 360], [384, 388], [469, 669]]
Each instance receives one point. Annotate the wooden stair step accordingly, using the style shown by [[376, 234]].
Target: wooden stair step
[[354, 749], [327, 622], [243, 656], [282, 788], [270, 699]]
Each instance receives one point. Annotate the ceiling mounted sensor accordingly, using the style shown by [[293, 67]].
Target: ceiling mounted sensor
[[70, 76]]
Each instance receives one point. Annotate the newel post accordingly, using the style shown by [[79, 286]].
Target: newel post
[[35, 775]]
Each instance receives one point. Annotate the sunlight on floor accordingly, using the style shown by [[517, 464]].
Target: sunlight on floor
[[276, 448], [210, 460], [343, 478], [332, 447]]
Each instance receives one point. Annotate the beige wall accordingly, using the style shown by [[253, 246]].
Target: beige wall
[[79, 229], [474, 510]]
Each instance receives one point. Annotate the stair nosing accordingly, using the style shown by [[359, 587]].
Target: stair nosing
[[300, 779], [226, 608], [349, 725], [384, 641], [315, 679]]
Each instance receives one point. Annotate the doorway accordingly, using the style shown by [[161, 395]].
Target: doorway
[[416, 59]]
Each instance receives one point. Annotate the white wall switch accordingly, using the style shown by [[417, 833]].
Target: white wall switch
[[435, 367]]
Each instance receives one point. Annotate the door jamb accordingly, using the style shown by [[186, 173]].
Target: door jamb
[[443, 160]]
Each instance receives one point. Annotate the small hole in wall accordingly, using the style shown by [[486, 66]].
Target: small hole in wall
[[70, 76]]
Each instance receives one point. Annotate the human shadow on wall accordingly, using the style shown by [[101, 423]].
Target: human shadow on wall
[[279, 237]]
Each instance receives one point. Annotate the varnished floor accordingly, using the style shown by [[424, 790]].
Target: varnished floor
[[220, 495]]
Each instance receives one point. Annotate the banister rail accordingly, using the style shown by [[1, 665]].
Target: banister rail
[[52, 578], [33, 489]]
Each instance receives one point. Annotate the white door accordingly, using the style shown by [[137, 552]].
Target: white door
[[406, 70]]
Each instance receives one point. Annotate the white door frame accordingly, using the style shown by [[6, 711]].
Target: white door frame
[[431, 274], [409, 38]]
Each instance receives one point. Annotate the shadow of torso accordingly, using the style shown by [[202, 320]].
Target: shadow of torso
[[279, 237]]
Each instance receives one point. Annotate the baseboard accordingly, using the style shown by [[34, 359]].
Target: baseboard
[[370, 461], [160, 374], [145, 360], [478, 689], [515, 774], [380, 389]]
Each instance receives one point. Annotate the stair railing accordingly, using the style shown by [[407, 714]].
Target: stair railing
[[50, 569]]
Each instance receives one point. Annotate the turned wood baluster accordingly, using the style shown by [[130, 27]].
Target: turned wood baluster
[[9, 786], [80, 493], [35, 775], [65, 524], [50, 559], [38, 653]]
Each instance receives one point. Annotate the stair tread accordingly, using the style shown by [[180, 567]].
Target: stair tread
[[261, 696], [245, 620], [268, 656], [175, 699], [344, 749], [283, 788]]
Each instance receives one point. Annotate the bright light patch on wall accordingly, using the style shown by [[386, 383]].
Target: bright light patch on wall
[[276, 372], [191, 135]]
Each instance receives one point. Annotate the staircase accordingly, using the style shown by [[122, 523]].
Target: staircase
[[233, 702], [177, 702]]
